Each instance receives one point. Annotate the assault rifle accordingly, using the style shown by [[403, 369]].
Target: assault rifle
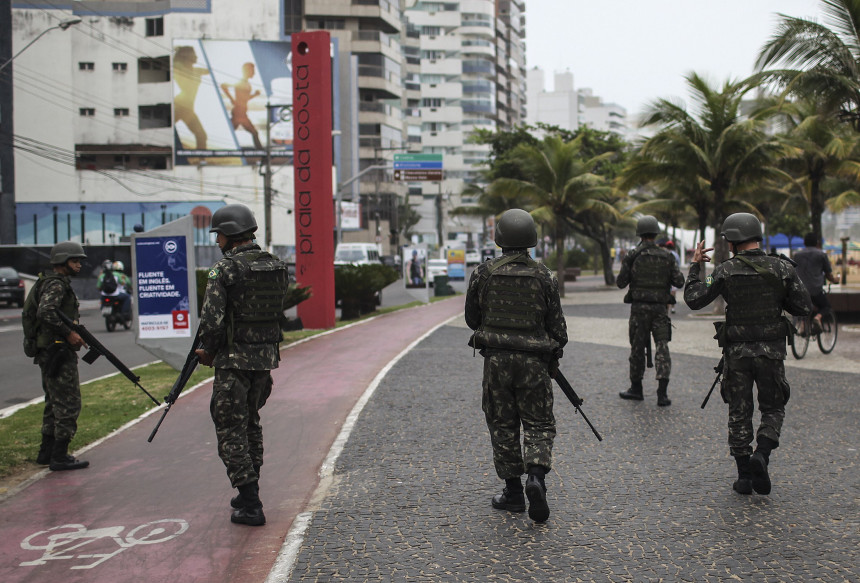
[[648, 361], [97, 349], [180, 382], [574, 399], [719, 370]]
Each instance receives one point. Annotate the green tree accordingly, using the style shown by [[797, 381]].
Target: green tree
[[563, 191], [818, 61], [711, 156]]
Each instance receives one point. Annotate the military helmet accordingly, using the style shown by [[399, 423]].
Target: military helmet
[[647, 225], [232, 220], [741, 227], [62, 252], [516, 230]]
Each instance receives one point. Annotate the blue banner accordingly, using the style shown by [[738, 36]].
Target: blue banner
[[162, 287]]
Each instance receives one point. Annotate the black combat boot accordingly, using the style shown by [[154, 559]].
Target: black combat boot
[[662, 399], [743, 485], [536, 492], [759, 461], [61, 460], [236, 501], [511, 498], [634, 393], [252, 511], [45, 450]]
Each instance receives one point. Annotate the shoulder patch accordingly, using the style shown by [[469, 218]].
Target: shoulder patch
[[213, 273], [709, 280]]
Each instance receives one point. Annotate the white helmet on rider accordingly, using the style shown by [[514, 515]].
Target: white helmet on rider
[[118, 266]]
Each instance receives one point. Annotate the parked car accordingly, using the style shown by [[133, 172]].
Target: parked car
[[11, 287], [436, 267]]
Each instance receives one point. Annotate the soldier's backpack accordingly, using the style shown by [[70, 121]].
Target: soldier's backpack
[[109, 283], [28, 318]]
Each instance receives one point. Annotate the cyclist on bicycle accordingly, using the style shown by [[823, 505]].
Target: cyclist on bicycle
[[813, 267]]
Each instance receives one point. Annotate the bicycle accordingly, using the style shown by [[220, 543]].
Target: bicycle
[[807, 328]]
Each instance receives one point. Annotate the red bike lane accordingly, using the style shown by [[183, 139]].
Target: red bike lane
[[160, 511]]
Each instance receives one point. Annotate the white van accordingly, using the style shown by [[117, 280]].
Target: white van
[[357, 254]]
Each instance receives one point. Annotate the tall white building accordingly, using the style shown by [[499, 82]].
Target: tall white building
[[570, 108]]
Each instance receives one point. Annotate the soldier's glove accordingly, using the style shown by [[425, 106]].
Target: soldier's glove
[[553, 367]]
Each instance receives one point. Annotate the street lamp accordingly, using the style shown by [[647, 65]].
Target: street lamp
[[64, 25], [8, 223]]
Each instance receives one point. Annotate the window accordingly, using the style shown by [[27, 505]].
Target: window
[[153, 69], [154, 116], [120, 67], [431, 30], [155, 26], [87, 111], [120, 111], [431, 102], [292, 16], [86, 66]]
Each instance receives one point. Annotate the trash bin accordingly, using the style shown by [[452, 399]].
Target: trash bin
[[441, 287]]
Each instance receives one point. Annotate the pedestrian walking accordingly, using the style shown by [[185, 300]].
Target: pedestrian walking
[[756, 288], [240, 332], [513, 305], [650, 271], [54, 347]]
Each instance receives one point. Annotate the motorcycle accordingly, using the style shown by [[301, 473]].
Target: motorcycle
[[111, 309]]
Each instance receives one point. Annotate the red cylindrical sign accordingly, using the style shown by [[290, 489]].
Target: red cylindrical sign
[[312, 165]]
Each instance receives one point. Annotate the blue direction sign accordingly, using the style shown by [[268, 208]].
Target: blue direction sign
[[418, 161]]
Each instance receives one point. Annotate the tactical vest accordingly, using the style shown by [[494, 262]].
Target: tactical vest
[[651, 277], [69, 306], [754, 303], [255, 304], [513, 307]]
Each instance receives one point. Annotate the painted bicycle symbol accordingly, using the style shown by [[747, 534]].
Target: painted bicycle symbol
[[65, 542]]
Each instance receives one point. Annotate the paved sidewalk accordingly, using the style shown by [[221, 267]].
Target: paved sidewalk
[[410, 493]]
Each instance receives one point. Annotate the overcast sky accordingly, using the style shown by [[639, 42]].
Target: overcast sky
[[631, 52]]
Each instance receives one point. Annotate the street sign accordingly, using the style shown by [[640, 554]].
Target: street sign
[[418, 161], [417, 175]]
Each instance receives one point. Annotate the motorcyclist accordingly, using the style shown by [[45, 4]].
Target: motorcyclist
[[123, 286]]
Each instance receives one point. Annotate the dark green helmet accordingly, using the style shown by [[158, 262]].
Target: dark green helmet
[[741, 227], [647, 225], [62, 252], [516, 230], [232, 220]]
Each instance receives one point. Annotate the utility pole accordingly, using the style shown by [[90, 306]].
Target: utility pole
[[8, 225], [267, 180]]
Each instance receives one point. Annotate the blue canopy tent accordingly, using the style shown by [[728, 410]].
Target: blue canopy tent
[[781, 241]]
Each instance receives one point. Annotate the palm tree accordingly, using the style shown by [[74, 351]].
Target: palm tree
[[819, 148], [563, 191], [818, 62], [712, 156]]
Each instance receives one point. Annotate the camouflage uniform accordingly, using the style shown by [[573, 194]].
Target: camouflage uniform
[[239, 325], [753, 338], [56, 359], [519, 328], [650, 271]]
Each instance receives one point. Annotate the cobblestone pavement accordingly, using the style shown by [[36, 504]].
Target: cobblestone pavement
[[410, 495]]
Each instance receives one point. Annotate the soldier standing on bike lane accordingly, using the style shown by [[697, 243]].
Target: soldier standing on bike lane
[[757, 288], [240, 332], [651, 271]]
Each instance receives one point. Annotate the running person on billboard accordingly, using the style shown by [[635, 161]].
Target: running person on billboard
[[188, 77], [239, 99]]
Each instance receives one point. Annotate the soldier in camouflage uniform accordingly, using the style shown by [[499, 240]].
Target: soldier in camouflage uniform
[[513, 305], [56, 346], [650, 271], [240, 333], [757, 288]]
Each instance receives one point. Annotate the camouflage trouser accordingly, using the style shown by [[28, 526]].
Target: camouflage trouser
[[768, 374], [517, 390], [647, 320], [62, 393], [237, 397]]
